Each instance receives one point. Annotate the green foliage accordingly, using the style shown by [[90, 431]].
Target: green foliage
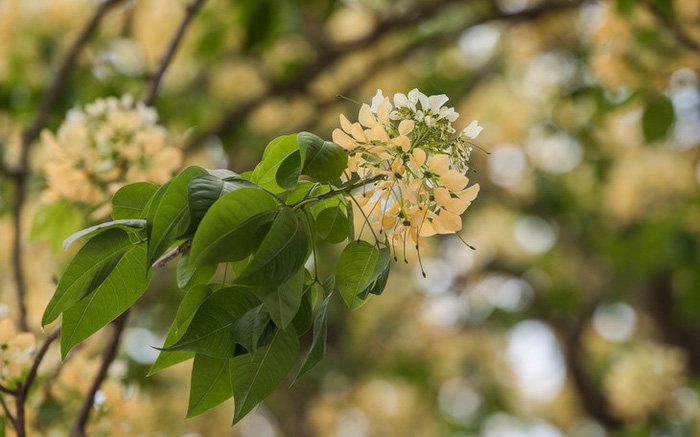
[[355, 272], [53, 222], [119, 290], [658, 117], [243, 334], [130, 200]]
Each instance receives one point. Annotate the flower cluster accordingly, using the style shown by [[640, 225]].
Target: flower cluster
[[418, 162], [16, 351], [103, 146]]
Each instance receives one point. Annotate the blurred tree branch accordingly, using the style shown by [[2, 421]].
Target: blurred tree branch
[[327, 57], [672, 26], [30, 134]]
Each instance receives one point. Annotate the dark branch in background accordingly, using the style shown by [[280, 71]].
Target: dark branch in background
[[22, 390], [437, 39], [155, 81], [673, 27], [660, 304], [592, 400], [29, 135], [329, 57], [78, 429], [326, 58]]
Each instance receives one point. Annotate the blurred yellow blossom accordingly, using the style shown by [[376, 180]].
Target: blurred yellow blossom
[[104, 145]]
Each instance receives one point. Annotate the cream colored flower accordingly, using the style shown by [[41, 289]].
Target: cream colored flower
[[103, 146], [411, 147]]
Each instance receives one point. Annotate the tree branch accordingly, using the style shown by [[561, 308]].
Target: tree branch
[[155, 81], [78, 429], [673, 28], [29, 135], [174, 253], [330, 57], [22, 390]]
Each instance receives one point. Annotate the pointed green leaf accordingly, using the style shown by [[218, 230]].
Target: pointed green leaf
[[210, 384], [304, 317], [248, 329], [228, 231], [280, 149], [120, 289], [188, 275], [129, 225], [185, 312], [280, 255], [282, 301], [325, 161], [331, 225], [90, 266], [254, 377], [168, 214], [380, 274], [209, 332], [203, 191], [355, 270], [130, 200], [318, 344]]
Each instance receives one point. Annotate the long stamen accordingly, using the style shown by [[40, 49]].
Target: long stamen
[[468, 245], [420, 261]]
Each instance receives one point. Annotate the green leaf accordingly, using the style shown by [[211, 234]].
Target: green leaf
[[380, 275], [188, 275], [355, 270], [188, 306], [228, 230], [210, 384], [249, 328], [209, 332], [318, 344], [203, 191], [130, 200], [658, 117], [88, 269], [53, 222], [283, 301], [304, 317], [331, 225], [168, 214], [280, 255], [325, 161], [223, 173], [127, 225], [299, 192], [120, 289], [281, 149], [254, 377]]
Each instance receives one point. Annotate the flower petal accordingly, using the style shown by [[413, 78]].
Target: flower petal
[[454, 181], [343, 140], [366, 117], [439, 164], [406, 126]]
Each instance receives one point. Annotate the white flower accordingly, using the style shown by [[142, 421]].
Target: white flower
[[473, 130], [376, 100]]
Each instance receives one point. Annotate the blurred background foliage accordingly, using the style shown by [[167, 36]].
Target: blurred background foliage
[[576, 315]]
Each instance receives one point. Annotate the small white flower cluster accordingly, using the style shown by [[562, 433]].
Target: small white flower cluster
[[434, 120], [98, 149], [409, 148]]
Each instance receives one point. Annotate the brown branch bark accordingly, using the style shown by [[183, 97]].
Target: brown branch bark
[[329, 57], [78, 429], [592, 400], [22, 390], [672, 27], [29, 135], [155, 81]]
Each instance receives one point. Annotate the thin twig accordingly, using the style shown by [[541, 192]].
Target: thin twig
[[22, 390], [155, 81], [78, 429], [673, 27], [326, 58], [29, 135], [171, 255]]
